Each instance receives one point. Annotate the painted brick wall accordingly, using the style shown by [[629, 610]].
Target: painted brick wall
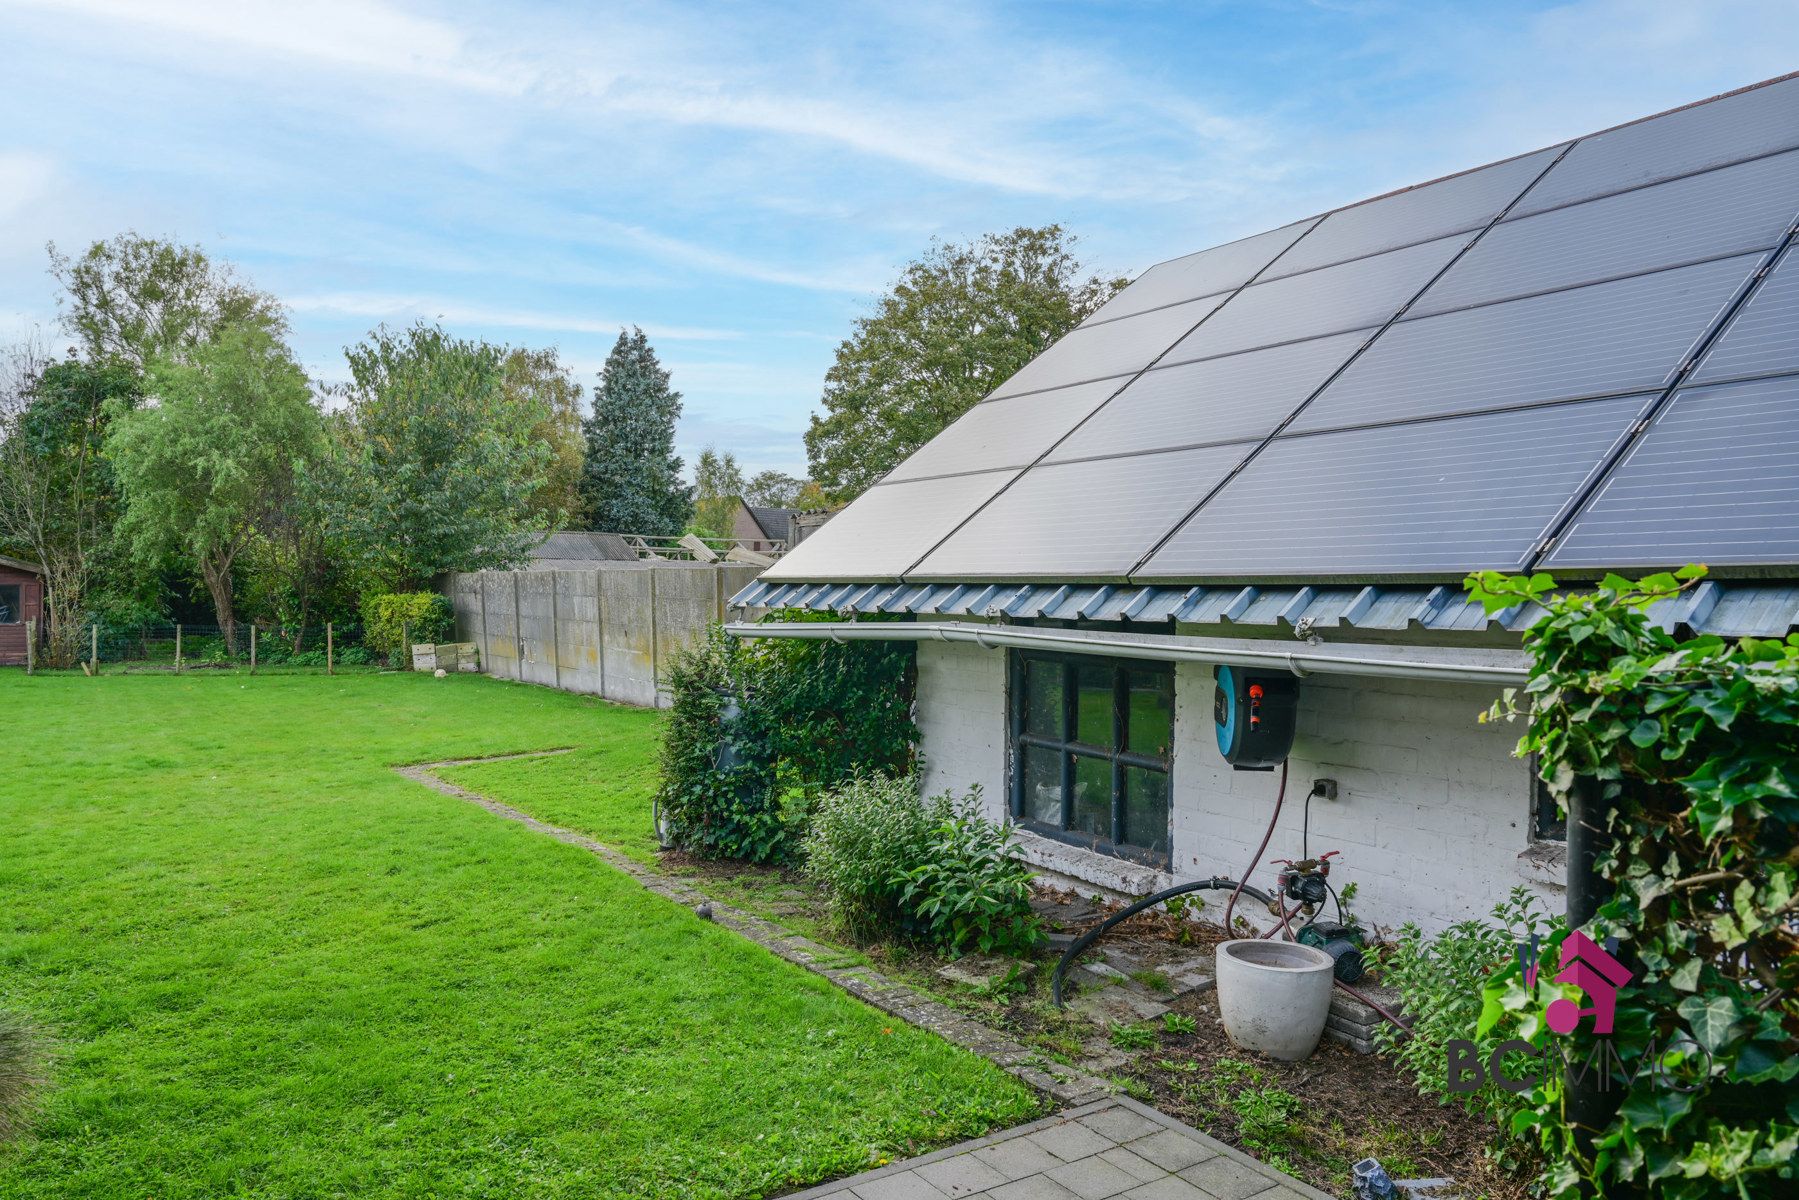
[[1432, 813]]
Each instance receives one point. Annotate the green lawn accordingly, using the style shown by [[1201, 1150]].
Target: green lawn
[[277, 969]]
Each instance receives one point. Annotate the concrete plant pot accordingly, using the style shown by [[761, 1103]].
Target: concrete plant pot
[[1273, 996]]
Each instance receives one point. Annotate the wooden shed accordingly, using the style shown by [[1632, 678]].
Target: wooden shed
[[21, 600]]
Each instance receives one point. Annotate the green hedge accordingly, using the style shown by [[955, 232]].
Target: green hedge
[[393, 622]]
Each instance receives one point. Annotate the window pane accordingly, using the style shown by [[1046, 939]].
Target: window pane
[[1043, 698], [1043, 785], [1150, 721], [9, 605], [1146, 808], [1093, 715], [1092, 796]]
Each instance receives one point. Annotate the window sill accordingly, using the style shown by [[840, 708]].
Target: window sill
[[1089, 867], [1545, 864]]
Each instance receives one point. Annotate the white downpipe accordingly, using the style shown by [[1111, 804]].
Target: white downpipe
[[1336, 658]]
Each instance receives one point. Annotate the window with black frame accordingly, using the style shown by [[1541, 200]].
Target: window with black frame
[[1091, 744], [11, 611]]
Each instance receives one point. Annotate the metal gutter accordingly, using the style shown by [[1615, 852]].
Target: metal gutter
[[1464, 665]]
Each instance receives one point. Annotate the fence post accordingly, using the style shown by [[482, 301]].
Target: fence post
[[405, 647], [555, 633], [30, 646], [177, 647], [330, 666], [93, 653], [252, 647]]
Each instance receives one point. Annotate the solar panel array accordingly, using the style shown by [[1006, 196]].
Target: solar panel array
[[1582, 358]]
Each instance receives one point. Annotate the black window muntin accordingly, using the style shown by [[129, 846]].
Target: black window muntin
[[1070, 748]]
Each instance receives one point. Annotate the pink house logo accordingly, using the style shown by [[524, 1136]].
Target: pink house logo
[[1589, 967]]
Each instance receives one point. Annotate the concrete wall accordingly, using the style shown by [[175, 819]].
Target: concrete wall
[[605, 631], [1432, 811]]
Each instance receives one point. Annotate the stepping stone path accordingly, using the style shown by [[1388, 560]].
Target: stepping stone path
[[1111, 1148]]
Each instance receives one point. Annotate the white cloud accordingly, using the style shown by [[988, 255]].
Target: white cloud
[[390, 307]]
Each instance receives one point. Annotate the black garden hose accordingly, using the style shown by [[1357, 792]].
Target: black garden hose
[[1216, 883]]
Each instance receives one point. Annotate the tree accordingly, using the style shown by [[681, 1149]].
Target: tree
[[302, 557], [443, 465], [537, 379], [718, 484], [960, 321], [201, 468], [631, 481], [58, 499], [136, 299], [773, 489]]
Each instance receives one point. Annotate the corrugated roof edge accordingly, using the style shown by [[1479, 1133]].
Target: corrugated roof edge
[[1726, 609], [1400, 191]]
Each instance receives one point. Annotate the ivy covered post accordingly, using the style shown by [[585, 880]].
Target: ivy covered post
[[1681, 759]]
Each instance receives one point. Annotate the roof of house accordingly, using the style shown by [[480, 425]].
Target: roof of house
[[19, 564], [1580, 359], [570, 550], [775, 523]]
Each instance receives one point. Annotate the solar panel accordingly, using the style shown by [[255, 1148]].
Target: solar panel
[[1715, 479], [1429, 498], [1722, 212], [1207, 273], [1351, 295], [1092, 518], [1627, 335], [1214, 400], [1758, 121], [1454, 205], [1114, 348], [887, 528], [1011, 432], [1763, 336]]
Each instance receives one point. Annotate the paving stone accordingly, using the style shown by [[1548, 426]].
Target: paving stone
[[1070, 1140], [985, 970], [1169, 1187], [1170, 1150], [1118, 1006], [907, 1185], [1094, 1178], [1018, 1158], [1033, 1187], [1133, 1164], [1120, 1124], [1228, 1179], [962, 1175]]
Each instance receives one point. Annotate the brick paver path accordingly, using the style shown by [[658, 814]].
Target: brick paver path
[[1110, 1148]]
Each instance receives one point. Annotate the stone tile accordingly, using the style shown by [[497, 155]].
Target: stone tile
[[1228, 1179], [1094, 1178], [1120, 1124], [1032, 1187], [1169, 1187], [1170, 1150], [1017, 1158], [1071, 1140], [904, 1186], [1117, 1005], [1133, 1164], [962, 1175]]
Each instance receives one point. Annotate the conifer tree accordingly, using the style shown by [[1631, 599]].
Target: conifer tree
[[631, 480]]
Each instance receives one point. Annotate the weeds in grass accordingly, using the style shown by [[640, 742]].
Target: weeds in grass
[[1155, 981], [1173, 1022], [23, 1074], [1132, 1037]]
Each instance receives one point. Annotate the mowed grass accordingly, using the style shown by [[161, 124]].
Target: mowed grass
[[275, 968]]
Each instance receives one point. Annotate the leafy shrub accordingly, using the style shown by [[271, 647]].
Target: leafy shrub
[[808, 716], [1441, 982], [929, 870], [1692, 751], [22, 1075], [392, 622]]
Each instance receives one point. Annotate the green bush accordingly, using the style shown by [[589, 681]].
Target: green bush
[[933, 870], [810, 716], [22, 1074], [1441, 980], [392, 622], [1691, 749]]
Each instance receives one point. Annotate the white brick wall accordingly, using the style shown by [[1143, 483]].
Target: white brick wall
[[1432, 810]]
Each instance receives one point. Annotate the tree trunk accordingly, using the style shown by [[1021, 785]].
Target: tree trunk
[[218, 583]]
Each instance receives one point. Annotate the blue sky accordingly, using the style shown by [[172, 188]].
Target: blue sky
[[742, 179]]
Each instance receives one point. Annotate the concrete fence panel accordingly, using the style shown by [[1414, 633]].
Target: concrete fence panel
[[499, 606], [578, 632], [628, 635], [537, 626]]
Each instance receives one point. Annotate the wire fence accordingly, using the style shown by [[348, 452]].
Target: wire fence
[[116, 648]]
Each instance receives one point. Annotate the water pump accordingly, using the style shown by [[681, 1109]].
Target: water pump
[[1308, 883]]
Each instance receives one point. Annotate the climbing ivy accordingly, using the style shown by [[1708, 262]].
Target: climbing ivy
[[804, 717], [1693, 748]]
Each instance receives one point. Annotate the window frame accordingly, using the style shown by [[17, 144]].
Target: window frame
[[1548, 820], [18, 605], [1068, 748]]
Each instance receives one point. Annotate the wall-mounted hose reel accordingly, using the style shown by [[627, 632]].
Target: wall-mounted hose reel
[[1255, 713]]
